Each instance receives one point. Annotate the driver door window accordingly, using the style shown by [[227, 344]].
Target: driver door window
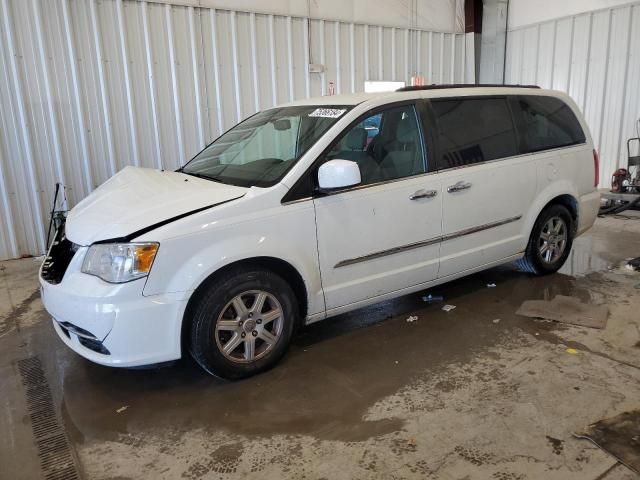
[[386, 146]]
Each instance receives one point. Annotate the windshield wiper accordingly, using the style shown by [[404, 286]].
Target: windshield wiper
[[202, 175]]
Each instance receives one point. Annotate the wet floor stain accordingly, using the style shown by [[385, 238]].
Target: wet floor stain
[[474, 455], [619, 436], [333, 375], [224, 459], [334, 372], [556, 444], [12, 319]]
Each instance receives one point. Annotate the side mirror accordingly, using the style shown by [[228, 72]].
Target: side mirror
[[336, 174]]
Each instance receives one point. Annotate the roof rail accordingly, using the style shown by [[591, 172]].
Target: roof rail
[[461, 85]]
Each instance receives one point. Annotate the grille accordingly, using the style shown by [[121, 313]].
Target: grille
[[56, 459], [60, 254]]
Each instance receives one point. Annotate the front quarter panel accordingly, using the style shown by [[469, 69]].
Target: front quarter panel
[[256, 226]]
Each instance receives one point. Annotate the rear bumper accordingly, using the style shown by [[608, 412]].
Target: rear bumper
[[588, 207], [114, 325]]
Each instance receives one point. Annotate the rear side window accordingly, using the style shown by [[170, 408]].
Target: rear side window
[[472, 130], [545, 123]]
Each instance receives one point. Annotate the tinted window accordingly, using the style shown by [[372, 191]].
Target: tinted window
[[471, 130], [545, 122], [386, 146]]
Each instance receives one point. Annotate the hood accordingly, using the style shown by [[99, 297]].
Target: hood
[[137, 198]]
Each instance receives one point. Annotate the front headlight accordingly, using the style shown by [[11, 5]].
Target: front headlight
[[119, 262]]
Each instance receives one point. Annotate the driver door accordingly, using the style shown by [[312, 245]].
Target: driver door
[[381, 236]]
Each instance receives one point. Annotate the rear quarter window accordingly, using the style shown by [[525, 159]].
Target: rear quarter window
[[544, 123], [473, 130]]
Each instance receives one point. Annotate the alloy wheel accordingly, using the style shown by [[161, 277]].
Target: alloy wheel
[[249, 326], [553, 240]]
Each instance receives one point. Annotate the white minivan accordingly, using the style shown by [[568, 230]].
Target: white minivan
[[311, 209]]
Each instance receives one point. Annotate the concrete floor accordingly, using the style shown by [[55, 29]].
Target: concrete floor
[[478, 392]]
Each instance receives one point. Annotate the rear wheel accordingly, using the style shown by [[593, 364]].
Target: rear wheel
[[550, 242], [242, 323]]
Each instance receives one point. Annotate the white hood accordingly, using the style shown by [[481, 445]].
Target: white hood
[[136, 198]]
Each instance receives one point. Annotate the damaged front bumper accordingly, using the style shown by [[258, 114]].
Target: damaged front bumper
[[112, 324]]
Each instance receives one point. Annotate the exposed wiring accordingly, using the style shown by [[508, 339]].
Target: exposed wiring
[[506, 34], [414, 26], [57, 214], [412, 13], [309, 33]]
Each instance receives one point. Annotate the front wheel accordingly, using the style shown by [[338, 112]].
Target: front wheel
[[550, 242], [242, 323]]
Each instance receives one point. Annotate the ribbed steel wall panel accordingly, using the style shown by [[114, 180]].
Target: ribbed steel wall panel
[[595, 58], [89, 86]]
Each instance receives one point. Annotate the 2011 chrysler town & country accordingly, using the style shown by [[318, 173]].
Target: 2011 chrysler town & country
[[299, 213]]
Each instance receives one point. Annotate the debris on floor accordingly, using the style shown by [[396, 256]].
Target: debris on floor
[[369, 418], [448, 308], [572, 351], [491, 285], [497, 320], [122, 409], [619, 436], [412, 319], [556, 444], [432, 298], [634, 264], [566, 310]]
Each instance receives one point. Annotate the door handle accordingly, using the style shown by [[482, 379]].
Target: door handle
[[458, 187], [422, 193]]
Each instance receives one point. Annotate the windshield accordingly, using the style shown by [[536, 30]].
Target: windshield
[[259, 151]]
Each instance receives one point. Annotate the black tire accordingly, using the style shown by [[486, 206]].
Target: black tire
[[204, 342], [533, 261]]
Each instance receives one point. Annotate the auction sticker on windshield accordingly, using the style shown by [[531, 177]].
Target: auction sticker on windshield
[[327, 112]]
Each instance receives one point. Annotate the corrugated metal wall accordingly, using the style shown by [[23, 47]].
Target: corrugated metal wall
[[87, 87], [595, 57]]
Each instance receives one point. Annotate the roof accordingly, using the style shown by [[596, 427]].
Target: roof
[[345, 99], [423, 91], [448, 86]]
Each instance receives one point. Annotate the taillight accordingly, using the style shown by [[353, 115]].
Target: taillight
[[596, 168]]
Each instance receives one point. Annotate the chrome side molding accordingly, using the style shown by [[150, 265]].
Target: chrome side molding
[[479, 228], [384, 253], [425, 243]]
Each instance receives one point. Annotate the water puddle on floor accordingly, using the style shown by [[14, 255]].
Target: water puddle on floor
[[600, 251], [336, 369], [583, 260]]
